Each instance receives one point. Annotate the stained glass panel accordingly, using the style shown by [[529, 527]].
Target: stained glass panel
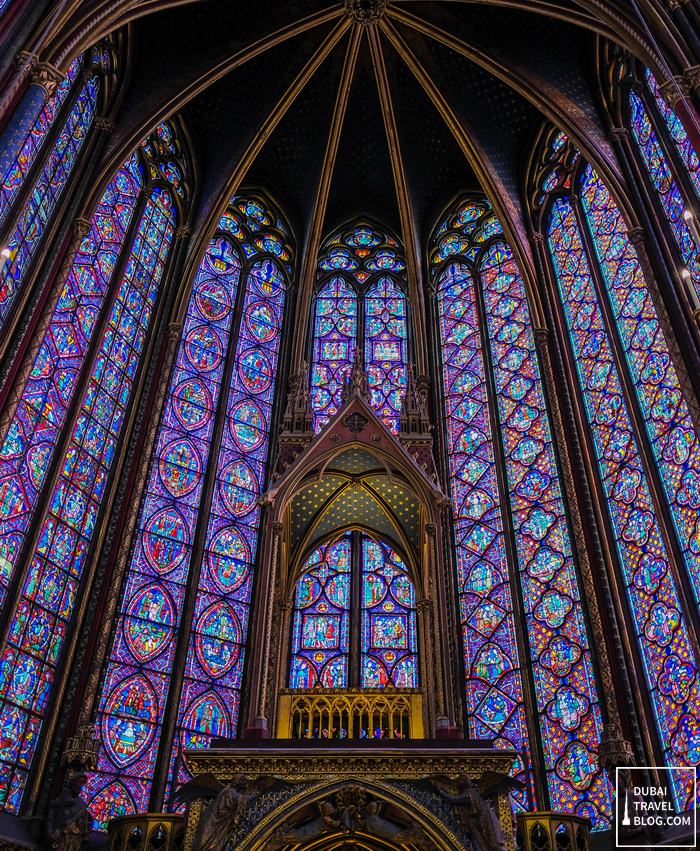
[[34, 141], [47, 190], [663, 639], [565, 682], [28, 445], [138, 673], [321, 627], [366, 268], [388, 628], [214, 667], [491, 658], [669, 426], [335, 331], [386, 349], [687, 152], [666, 186], [37, 632]]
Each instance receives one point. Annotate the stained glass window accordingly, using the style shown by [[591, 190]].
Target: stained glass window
[[592, 287], [329, 605], [34, 141], [59, 551], [667, 188], [687, 153], [360, 305], [321, 629], [481, 295], [196, 545], [46, 191]]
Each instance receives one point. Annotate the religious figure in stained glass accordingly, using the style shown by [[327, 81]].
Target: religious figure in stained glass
[[326, 607], [479, 286], [224, 372], [607, 308]]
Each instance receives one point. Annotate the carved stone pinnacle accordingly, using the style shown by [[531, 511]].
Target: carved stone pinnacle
[[366, 12]]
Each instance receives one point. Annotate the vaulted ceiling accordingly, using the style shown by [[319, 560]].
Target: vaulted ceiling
[[337, 118]]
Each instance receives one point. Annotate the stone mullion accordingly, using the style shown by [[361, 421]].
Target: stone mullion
[[262, 704]]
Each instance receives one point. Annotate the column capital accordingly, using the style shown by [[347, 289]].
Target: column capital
[[104, 124], [674, 89], [183, 232], [47, 76], [692, 77]]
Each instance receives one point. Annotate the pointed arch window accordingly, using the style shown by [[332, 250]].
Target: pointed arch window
[[55, 466], [360, 310], [35, 183], [187, 589], [642, 435], [512, 536], [354, 620]]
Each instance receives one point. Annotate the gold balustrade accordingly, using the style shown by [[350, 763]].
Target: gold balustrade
[[548, 831], [389, 713], [147, 832]]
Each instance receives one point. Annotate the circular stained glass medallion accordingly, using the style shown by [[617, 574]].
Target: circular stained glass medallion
[[213, 300], [228, 559], [192, 404], [262, 321], [255, 371], [165, 540], [180, 467], [239, 488], [247, 425], [203, 348]]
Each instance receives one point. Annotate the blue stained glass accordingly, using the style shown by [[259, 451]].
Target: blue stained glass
[[144, 645], [669, 426], [486, 608], [34, 141], [667, 188], [654, 602], [335, 330], [216, 655], [368, 269], [386, 349], [161, 566], [29, 659], [48, 188], [30, 440], [321, 626], [687, 152], [388, 629], [565, 686]]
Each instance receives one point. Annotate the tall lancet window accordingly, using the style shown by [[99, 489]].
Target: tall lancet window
[[354, 596], [178, 648], [34, 184], [640, 432], [512, 537], [56, 467], [360, 309], [666, 157]]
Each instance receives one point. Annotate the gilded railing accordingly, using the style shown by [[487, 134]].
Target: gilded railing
[[547, 831], [147, 832], [350, 714]]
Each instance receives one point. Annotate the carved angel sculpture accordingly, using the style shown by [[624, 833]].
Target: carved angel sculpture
[[472, 808], [288, 835], [226, 809]]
